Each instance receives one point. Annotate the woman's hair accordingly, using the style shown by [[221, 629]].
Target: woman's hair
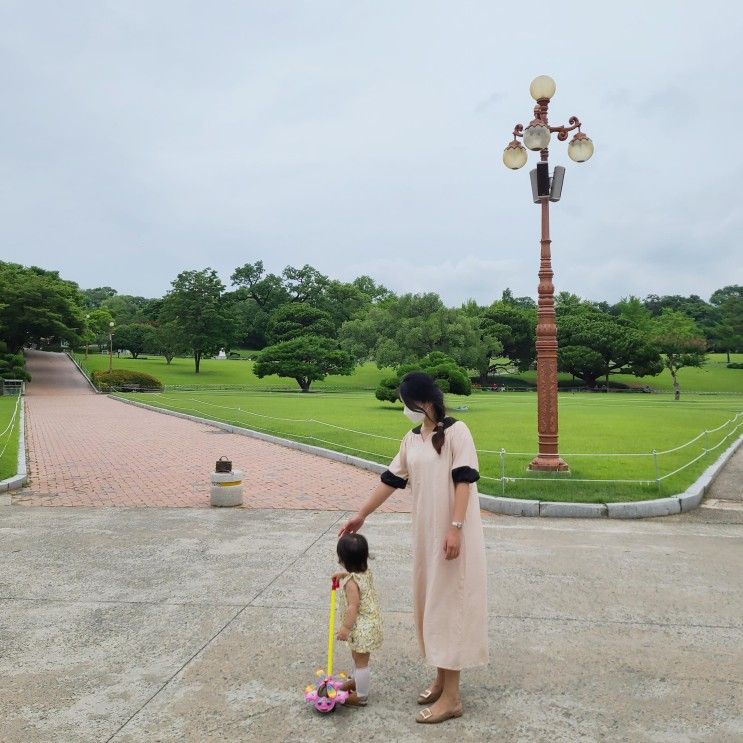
[[417, 388], [353, 552]]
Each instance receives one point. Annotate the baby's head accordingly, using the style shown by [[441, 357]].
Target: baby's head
[[353, 552]]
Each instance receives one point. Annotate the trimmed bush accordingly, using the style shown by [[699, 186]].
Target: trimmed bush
[[125, 380], [735, 365]]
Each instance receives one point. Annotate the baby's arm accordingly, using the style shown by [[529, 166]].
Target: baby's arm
[[353, 599]]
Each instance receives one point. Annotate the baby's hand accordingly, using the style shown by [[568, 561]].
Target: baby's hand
[[342, 634], [339, 576]]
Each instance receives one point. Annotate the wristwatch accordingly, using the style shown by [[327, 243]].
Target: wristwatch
[[457, 524]]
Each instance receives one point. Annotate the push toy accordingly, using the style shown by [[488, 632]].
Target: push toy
[[328, 692]]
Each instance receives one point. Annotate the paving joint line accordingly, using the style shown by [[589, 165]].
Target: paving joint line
[[225, 626]]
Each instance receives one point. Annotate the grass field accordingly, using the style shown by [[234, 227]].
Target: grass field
[[712, 377], [228, 373], [9, 437], [597, 425]]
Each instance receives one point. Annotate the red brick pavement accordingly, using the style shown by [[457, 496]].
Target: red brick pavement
[[89, 450]]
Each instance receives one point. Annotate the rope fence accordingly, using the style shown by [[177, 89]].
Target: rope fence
[[511, 465], [8, 431]]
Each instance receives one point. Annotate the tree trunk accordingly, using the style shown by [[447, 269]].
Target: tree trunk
[[197, 360], [728, 352], [168, 358], [676, 386], [304, 383], [134, 355]]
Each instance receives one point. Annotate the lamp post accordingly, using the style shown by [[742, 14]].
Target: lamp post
[[536, 137], [87, 319], [110, 345]]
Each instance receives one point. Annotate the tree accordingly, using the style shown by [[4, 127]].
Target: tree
[[294, 320], [170, 341], [36, 304], [98, 326], [304, 359], [727, 332], [680, 341], [514, 327], [12, 365], [94, 298], [592, 344], [195, 304], [404, 329], [127, 309], [136, 338], [634, 311], [448, 375]]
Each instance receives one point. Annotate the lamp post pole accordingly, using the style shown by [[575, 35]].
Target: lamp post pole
[[110, 345], [87, 318], [537, 137]]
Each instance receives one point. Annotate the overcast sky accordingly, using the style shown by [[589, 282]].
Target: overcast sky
[[140, 139]]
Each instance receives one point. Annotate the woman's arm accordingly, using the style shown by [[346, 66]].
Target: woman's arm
[[373, 502], [353, 599], [453, 539]]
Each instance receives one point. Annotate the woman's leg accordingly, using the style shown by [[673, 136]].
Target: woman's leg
[[449, 699]]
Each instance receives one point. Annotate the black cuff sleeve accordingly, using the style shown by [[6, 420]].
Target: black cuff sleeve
[[393, 480], [465, 474]]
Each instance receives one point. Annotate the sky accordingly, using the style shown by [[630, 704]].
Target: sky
[[140, 139]]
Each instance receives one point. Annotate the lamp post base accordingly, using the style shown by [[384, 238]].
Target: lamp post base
[[548, 463]]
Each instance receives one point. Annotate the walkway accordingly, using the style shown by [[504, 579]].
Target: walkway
[[89, 450]]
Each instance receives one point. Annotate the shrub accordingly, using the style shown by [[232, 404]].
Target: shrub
[[125, 379], [735, 365], [446, 373]]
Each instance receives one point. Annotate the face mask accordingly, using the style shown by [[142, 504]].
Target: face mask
[[413, 415]]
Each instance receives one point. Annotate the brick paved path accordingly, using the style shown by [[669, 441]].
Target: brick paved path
[[88, 450]]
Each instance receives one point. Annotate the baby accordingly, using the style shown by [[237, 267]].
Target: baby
[[362, 621]]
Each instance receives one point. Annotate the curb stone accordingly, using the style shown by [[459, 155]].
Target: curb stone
[[644, 508], [572, 510], [686, 501], [82, 371]]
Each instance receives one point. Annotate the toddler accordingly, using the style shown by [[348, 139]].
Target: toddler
[[362, 622]]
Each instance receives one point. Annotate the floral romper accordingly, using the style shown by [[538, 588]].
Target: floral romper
[[367, 631]]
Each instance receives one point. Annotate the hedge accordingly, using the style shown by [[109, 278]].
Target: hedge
[[125, 379]]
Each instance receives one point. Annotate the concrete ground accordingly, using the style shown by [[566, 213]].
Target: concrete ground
[[173, 624]]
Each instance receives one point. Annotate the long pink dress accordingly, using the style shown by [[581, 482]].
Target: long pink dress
[[449, 596]]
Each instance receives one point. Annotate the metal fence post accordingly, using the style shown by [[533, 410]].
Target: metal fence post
[[503, 471], [706, 441], [657, 471]]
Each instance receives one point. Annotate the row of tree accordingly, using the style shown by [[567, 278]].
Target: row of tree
[[307, 325]]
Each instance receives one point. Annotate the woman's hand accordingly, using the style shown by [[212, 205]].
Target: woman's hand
[[342, 634], [352, 525], [452, 543]]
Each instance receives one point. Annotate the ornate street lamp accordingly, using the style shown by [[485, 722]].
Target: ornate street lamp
[[537, 137]]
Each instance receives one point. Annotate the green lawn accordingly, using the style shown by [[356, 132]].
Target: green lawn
[[712, 377], [593, 424], [229, 372], [9, 439]]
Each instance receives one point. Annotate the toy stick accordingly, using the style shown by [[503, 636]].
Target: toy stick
[[331, 625]]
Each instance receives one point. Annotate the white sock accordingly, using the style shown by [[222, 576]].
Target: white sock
[[363, 679]]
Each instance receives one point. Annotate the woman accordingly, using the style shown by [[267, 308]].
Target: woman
[[439, 461]]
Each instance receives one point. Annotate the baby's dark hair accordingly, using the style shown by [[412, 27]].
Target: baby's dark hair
[[353, 552]]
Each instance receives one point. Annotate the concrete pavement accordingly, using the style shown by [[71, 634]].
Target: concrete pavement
[[170, 624]]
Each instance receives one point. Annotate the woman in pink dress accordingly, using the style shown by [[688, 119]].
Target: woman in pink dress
[[438, 461]]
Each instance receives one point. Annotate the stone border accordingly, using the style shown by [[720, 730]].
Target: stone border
[[82, 371], [683, 502], [17, 481]]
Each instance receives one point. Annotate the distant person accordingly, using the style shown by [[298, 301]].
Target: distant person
[[439, 461]]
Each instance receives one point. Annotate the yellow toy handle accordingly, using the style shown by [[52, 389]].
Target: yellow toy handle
[[331, 625]]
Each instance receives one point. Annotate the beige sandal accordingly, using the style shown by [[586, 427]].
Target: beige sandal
[[427, 717], [429, 696]]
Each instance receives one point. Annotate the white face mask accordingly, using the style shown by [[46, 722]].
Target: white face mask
[[413, 415]]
